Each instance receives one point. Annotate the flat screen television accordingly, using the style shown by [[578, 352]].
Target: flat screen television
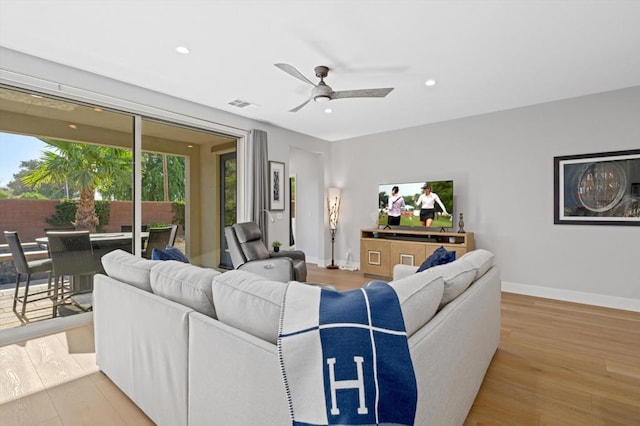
[[410, 213]]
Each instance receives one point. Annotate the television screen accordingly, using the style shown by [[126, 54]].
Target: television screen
[[406, 208]]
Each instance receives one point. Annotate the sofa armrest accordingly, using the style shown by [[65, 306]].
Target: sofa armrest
[[401, 271], [293, 254], [276, 269], [141, 344]]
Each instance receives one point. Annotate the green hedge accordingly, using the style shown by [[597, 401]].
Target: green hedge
[[66, 213]]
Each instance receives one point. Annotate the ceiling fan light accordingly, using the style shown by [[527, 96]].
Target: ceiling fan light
[[322, 98]]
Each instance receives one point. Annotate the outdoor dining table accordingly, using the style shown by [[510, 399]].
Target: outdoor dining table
[[101, 244]]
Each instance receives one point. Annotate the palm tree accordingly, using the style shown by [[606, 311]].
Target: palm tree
[[89, 167]]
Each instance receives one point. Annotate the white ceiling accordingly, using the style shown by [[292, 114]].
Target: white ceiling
[[486, 55]]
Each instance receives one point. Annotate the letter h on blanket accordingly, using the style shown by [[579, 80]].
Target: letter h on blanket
[[345, 357], [347, 384]]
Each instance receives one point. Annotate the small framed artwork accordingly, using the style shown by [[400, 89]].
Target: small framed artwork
[[597, 189], [276, 185]]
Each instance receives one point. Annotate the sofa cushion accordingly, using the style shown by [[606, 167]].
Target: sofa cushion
[[419, 296], [186, 284], [170, 253], [123, 266], [457, 275], [439, 257], [249, 302], [482, 260]]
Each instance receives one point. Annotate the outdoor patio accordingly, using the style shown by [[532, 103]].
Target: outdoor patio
[[41, 309], [36, 311]]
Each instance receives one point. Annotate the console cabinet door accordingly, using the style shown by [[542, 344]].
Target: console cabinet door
[[374, 257], [407, 253]]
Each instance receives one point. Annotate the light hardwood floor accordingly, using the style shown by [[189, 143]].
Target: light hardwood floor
[[558, 363]]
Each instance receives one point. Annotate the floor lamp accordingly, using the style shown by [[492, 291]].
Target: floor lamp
[[333, 204]]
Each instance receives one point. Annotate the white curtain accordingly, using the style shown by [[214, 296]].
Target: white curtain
[[259, 193]]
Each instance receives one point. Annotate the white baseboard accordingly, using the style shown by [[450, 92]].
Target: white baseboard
[[573, 296]]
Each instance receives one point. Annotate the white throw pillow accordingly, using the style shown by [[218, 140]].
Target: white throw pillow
[[249, 302], [123, 266], [186, 284], [419, 295], [458, 276], [482, 260]]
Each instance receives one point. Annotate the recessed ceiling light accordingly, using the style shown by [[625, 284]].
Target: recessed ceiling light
[[328, 110], [97, 109], [73, 126], [183, 50], [430, 82], [189, 146], [36, 96]]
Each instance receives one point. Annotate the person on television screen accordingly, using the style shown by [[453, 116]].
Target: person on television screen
[[427, 201], [396, 204]]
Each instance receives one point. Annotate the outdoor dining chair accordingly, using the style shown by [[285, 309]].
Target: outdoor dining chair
[[158, 238], [72, 256], [56, 229], [172, 236], [28, 268]]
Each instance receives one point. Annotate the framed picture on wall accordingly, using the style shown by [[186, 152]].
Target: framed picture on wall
[[276, 185], [597, 189]]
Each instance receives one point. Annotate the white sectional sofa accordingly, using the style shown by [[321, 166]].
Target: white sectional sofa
[[191, 346]]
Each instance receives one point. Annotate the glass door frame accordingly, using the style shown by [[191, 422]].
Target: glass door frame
[[21, 82], [225, 257]]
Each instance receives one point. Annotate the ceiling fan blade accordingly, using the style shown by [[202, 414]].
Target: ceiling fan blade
[[291, 70], [299, 107], [364, 93]]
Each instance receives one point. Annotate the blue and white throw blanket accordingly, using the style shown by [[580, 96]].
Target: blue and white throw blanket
[[345, 358]]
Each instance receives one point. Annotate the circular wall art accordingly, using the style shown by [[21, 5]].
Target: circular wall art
[[601, 186]]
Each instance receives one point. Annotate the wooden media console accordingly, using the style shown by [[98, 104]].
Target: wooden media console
[[382, 249]]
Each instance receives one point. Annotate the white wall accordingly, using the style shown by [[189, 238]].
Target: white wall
[[502, 164], [306, 166], [282, 143]]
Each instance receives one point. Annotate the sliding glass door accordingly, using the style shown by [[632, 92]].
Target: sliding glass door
[[67, 164]]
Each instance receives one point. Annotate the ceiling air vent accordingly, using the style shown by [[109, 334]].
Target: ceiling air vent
[[239, 103]]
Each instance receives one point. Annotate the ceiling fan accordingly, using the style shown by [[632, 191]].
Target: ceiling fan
[[322, 92]]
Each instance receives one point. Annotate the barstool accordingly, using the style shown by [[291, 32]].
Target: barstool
[[26, 267], [72, 256]]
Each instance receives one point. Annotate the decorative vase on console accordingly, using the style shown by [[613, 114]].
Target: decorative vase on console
[[461, 225]]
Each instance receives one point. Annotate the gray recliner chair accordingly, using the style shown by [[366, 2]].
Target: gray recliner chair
[[249, 253]]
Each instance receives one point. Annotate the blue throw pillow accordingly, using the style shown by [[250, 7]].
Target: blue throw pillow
[[170, 253], [439, 257]]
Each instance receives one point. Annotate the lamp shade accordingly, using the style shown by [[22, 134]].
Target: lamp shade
[[333, 204]]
